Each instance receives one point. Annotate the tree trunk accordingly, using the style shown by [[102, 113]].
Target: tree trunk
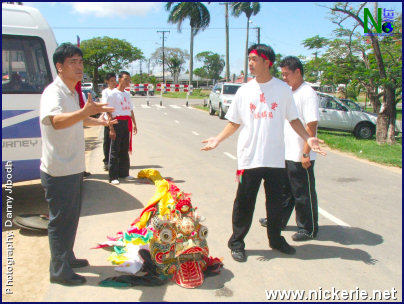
[[391, 110], [246, 52], [374, 100], [191, 59]]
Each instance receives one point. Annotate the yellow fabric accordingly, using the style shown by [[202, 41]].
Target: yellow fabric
[[161, 195]]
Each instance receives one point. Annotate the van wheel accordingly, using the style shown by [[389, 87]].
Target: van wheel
[[221, 112], [211, 111], [364, 131]]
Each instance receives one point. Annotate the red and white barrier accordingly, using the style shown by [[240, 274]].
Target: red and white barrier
[[169, 87], [141, 87]]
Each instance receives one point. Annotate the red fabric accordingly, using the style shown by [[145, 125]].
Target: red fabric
[[263, 56], [129, 119], [78, 90]]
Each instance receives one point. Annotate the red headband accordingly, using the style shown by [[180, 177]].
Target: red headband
[[262, 55]]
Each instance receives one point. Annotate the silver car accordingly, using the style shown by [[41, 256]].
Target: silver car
[[336, 115], [221, 98]]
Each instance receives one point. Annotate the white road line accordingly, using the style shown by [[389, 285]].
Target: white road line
[[195, 133], [176, 121], [160, 107], [145, 106], [175, 106], [229, 155], [332, 218]]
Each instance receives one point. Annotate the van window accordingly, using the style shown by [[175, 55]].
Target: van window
[[25, 68]]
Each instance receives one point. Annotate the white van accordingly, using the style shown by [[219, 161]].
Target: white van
[[28, 44]]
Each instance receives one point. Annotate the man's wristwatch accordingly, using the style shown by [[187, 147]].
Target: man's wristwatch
[[306, 155]]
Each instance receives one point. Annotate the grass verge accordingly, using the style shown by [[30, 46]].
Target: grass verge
[[385, 154], [196, 94]]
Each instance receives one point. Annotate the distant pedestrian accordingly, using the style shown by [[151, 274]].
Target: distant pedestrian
[[260, 108], [62, 161], [121, 133], [110, 79]]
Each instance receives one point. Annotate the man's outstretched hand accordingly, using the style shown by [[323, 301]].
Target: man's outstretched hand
[[314, 144], [211, 143]]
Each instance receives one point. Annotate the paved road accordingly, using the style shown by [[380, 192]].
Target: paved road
[[359, 246]]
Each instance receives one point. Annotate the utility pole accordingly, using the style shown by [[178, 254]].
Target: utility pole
[[163, 32], [140, 71], [258, 34], [226, 5]]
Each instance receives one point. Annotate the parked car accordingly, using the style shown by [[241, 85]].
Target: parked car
[[356, 107], [352, 104], [336, 115], [221, 98]]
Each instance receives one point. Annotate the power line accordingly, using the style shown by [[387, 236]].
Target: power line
[[132, 28]]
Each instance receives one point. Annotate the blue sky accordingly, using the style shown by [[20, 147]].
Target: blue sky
[[284, 25]]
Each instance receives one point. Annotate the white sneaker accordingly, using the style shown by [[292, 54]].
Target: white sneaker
[[115, 182], [129, 178]]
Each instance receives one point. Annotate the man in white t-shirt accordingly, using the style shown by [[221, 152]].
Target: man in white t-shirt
[[62, 161], [121, 133], [300, 190], [110, 79], [259, 109]]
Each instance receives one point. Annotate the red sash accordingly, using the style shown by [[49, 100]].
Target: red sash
[[129, 119], [78, 90]]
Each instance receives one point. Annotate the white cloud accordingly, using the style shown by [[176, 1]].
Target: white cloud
[[115, 9]]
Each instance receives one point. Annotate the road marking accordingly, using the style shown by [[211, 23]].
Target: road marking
[[229, 155], [195, 133], [175, 107], [160, 107], [176, 121], [332, 218], [145, 106]]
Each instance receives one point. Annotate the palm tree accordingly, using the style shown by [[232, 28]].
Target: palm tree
[[249, 9], [199, 19]]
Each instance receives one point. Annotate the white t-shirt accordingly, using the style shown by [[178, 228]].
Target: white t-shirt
[[261, 109], [306, 101], [104, 98], [105, 93], [121, 102], [62, 149]]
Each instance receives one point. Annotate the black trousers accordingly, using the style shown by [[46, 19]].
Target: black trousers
[[63, 194], [300, 194], [244, 204], [119, 164], [106, 145]]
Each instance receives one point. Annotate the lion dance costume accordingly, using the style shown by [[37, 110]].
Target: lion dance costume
[[167, 241]]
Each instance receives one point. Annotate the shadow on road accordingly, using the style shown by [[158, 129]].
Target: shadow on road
[[101, 197], [157, 293], [316, 252], [349, 235]]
